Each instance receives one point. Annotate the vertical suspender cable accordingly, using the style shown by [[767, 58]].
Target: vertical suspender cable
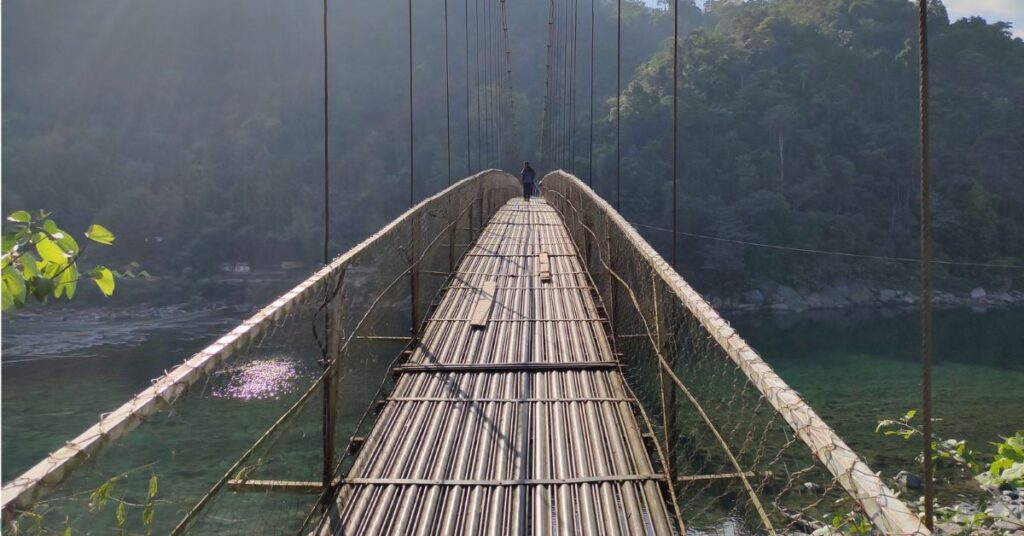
[[327, 184], [488, 126], [555, 133], [476, 50], [675, 131], [926, 290], [590, 168], [618, 103], [412, 157], [572, 90], [469, 166], [327, 407], [447, 96]]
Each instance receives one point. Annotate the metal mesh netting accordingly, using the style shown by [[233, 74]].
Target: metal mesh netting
[[742, 449], [231, 442]]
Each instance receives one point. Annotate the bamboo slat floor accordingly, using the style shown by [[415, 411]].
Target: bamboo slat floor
[[523, 425]]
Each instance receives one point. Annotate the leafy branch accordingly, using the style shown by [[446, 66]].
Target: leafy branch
[[40, 259]]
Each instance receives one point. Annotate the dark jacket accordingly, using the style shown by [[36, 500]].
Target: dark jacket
[[528, 174]]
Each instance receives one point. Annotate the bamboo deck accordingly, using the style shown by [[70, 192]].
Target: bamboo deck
[[521, 423]]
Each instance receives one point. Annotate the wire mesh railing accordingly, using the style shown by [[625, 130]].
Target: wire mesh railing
[[744, 452], [233, 440]]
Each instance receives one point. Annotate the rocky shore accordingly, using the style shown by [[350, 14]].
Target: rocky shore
[[784, 298]]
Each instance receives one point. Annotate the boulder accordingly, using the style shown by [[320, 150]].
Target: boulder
[[886, 295], [909, 480], [978, 293]]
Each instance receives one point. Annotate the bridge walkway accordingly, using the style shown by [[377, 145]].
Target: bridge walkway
[[520, 424]]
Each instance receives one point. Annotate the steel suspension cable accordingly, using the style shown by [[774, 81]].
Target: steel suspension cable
[[447, 96], [926, 253]]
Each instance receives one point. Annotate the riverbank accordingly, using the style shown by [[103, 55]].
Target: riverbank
[[783, 298]]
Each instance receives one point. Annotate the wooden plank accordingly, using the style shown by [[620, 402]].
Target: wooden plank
[[544, 267], [286, 486], [505, 367], [482, 310]]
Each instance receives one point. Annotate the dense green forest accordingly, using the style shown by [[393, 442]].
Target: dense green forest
[[193, 129]]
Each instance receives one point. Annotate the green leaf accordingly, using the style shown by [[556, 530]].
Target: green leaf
[[99, 233], [14, 288], [42, 287], [50, 251], [29, 265], [67, 531], [51, 227], [104, 279], [910, 415], [147, 513], [67, 283], [67, 243], [152, 486], [20, 216], [121, 514]]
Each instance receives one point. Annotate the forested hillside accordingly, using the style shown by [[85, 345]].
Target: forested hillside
[[193, 129], [798, 126]]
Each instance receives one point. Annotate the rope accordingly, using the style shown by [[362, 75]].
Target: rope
[[926, 290], [831, 252]]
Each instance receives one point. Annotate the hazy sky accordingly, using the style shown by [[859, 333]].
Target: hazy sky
[[991, 10]]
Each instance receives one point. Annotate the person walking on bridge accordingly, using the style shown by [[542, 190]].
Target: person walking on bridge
[[527, 175]]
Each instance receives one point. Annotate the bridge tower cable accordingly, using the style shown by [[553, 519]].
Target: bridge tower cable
[[926, 253], [618, 103], [447, 96], [590, 137], [469, 151]]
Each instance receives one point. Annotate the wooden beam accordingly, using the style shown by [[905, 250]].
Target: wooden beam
[[482, 310], [286, 486], [544, 267]]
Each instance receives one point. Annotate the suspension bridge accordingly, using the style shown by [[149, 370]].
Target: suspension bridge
[[542, 370]]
